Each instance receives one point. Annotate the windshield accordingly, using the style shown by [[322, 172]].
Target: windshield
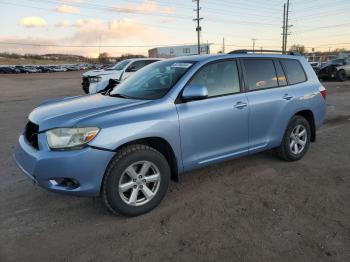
[[336, 62], [119, 66], [153, 81]]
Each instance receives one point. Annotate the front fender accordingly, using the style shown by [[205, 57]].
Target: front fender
[[162, 125]]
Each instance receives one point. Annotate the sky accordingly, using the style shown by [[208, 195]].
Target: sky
[[89, 27]]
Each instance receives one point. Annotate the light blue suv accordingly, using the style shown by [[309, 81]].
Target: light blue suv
[[171, 117]]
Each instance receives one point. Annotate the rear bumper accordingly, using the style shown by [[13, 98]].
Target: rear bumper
[[86, 166]]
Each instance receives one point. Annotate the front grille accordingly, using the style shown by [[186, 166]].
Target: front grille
[[31, 134], [85, 84]]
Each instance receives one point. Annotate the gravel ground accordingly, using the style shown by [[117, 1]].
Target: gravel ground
[[255, 208]]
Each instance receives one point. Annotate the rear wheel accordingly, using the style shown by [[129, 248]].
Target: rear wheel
[[136, 181], [296, 140], [341, 76]]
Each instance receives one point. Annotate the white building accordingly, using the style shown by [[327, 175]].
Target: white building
[[174, 51]]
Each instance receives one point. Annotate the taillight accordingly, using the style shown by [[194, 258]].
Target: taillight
[[323, 92]]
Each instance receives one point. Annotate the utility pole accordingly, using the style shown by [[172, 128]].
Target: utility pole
[[198, 28], [284, 28], [99, 47], [223, 45], [254, 39]]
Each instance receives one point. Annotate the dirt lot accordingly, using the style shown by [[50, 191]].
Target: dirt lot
[[256, 208]]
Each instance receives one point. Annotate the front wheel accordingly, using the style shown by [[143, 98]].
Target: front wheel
[[136, 180], [341, 75], [296, 139]]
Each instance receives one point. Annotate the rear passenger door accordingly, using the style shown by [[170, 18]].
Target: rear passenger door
[[215, 128], [269, 99]]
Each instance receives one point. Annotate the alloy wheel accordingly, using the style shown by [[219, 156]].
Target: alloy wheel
[[139, 183], [298, 139]]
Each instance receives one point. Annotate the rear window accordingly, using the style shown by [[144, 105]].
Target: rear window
[[260, 73], [294, 71]]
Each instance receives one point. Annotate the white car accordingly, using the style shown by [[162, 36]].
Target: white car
[[96, 81]]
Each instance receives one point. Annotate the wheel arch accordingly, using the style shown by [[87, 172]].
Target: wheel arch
[[161, 145], [309, 116]]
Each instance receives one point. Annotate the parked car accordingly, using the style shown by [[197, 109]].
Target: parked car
[[20, 69], [96, 81], [338, 69], [315, 65], [7, 70], [30, 69], [168, 118]]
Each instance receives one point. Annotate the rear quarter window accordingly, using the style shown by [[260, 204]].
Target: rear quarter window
[[294, 71]]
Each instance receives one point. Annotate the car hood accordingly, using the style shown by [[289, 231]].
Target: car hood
[[69, 112], [102, 72], [331, 65]]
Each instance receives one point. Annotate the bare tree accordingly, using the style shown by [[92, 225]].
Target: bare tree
[[103, 58], [298, 48]]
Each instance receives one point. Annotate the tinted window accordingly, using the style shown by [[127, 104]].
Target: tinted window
[[294, 71], [137, 65], [260, 74], [282, 81], [219, 78], [148, 62]]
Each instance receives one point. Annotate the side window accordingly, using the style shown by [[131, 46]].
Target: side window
[[347, 60], [282, 81], [186, 50], [219, 78], [260, 73], [294, 71], [137, 65], [148, 62]]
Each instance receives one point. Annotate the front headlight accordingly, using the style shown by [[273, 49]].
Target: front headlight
[[68, 138], [95, 79]]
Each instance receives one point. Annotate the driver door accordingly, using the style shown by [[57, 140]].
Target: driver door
[[216, 128]]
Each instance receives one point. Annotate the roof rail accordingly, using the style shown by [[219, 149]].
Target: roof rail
[[246, 51]]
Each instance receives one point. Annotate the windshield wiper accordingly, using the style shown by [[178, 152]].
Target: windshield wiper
[[121, 96]]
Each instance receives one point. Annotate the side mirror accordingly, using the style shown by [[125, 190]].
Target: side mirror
[[111, 84], [195, 92]]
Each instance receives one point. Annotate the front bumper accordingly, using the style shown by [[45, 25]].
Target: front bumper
[[85, 84], [86, 166]]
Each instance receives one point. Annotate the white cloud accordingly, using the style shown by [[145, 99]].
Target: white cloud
[[33, 21], [147, 7], [91, 30], [63, 24], [72, 1], [67, 9]]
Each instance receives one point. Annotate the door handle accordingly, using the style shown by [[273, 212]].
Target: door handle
[[240, 105], [287, 97]]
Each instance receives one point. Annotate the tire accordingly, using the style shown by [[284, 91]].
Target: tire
[[341, 76], [130, 161], [288, 152]]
